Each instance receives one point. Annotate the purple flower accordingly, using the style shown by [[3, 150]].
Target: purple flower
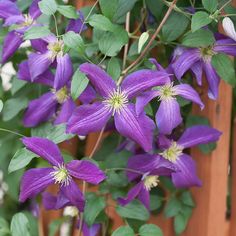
[[77, 25], [168, 115], [13, 16], [199, 59], [146, 169], [56, 102], [37, 180], [173, 152], [50, 50], [115, 102]]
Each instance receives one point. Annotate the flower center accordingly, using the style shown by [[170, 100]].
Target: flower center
[[173, 152], [116, 101], [71, 211], [207, 53], [61, 175], [28, 21], [167, 92], [56, 49], [61, 95], [151, 181]]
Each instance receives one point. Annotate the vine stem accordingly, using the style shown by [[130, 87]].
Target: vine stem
[[172, 5], [12, 132], [84, 183], [127, 27]]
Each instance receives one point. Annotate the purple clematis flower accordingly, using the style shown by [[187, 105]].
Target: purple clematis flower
[[11, 15], [173, 151], [199, 59], [146, 169], [115, 102], [168, 115], [57, 101], [77, 25], [37, 180], [50, 49]]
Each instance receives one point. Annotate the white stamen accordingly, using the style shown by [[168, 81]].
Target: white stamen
[[151, 181], [173, 152], [116, 101], [61, 175], [167, 92]]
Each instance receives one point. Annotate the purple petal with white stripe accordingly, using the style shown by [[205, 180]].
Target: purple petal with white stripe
[[34, 10], [35, 181], [187, 92], [8, 8], [168, 116], [197, 71], [88, 118], [101, 81], [138, 128], [227, 46], [44, 148], [198, 134]]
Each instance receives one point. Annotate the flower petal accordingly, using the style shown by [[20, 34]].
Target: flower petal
[[88, 95], [88, 118], [64, 71], [40, 110], [213, 80], [227, 46], [229, 29], [187, 176], [66, 111], [35, 181], [185, 61], [144, 99], [92, 230], [24, 74], [34, 10], [39, 45], [197, 71], [74, 195], [14, 20], [77, 25], [157, 65], [86, 171], [198, 134], [144, 197], [168, 116], [9, 49], [38, 64], [44, 148], [187, 92], [132, 194], [138, 128], [8, 8], [101, 81], [143, 80]]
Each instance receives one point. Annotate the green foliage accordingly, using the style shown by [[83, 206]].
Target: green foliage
[[20, 225], [68, 11], [150, 230], [199, 20], [36, 32], [74, 41], [210, 5], [78, 84], [48, 7], [123, 231], [113, 68]]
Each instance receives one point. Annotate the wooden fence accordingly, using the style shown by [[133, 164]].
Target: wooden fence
[[209, 217]]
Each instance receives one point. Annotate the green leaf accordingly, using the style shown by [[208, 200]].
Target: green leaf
[[13, 106], [21, 159], [174, 27], [48, 7], [207, 148], [187, 199], [172, 207], [180, 223], [20, 225], [210, 5], [74, 41], [150, 230], [68, 11], [1, 105], [94, 206], [123, 231], [108, 7], [224, 67], [123, 7], [199, 20], [101, 22], [54, 226], [113, 68], [78, 84], [36, 32], [58, 134], [133, 210], [199, 38], [17, 85], [4, 227], [142, 40]]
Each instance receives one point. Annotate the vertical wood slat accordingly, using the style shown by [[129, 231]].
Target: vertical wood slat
[[209, 217]]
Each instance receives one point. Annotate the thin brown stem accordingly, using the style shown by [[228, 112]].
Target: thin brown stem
[[127, 27], [150, 42]]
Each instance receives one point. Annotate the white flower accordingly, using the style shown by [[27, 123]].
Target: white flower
[[229, 29], [7, 72]]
